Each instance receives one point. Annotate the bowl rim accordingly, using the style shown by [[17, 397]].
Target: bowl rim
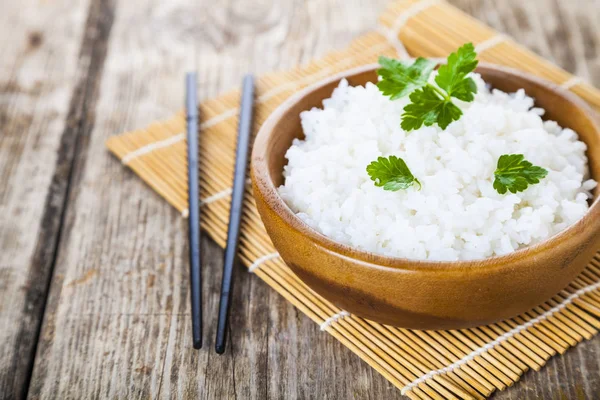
[[262, 181]]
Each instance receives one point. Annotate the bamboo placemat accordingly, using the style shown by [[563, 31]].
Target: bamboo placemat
[[469, 363]]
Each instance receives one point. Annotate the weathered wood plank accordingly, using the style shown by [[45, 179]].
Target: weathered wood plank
[[115, 285], [39, 70], [117, 323]]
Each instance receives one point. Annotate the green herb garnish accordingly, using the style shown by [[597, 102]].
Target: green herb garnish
[[427, 109], [452, 77], [430, 104], [399, 80], [514, 173], [391, 173]]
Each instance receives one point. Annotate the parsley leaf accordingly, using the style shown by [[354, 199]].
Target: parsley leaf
[[391, 173], [399, 79], [452, 76], [428, 108], [514, 173], [430, 104]]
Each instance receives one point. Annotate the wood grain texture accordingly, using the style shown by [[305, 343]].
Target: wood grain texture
[[39, 74], [117, 322], [117, 319]]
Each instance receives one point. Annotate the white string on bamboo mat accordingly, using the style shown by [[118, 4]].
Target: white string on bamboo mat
[[491, 42], [394, 41], [572, 81], [287, 86], [151, 147], [391, 34], [501, 339], [501, 38], [232, 112], [294, 84], [261, 260], [267, 257], [214, 197], [410, 12], [323, 72], [335, 317]]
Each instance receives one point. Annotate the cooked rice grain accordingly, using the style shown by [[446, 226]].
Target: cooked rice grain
[[457, 215]]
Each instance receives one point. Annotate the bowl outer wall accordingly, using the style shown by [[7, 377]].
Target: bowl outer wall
[[421, 294]]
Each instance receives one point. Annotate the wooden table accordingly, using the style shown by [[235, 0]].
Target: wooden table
[[93, 264]]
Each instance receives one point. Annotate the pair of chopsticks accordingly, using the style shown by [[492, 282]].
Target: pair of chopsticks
[[235, 213]]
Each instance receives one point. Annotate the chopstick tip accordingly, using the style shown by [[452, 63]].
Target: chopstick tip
[[197, 344]]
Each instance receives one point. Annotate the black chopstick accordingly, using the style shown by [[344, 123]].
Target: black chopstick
[[235, 213], [191, 107]]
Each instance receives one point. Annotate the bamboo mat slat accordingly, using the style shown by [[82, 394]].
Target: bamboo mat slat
[[466, 364]]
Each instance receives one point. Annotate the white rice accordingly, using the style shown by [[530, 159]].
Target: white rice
[[457, 215]]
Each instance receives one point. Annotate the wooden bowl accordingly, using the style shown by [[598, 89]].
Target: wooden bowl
[[425, 294]]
